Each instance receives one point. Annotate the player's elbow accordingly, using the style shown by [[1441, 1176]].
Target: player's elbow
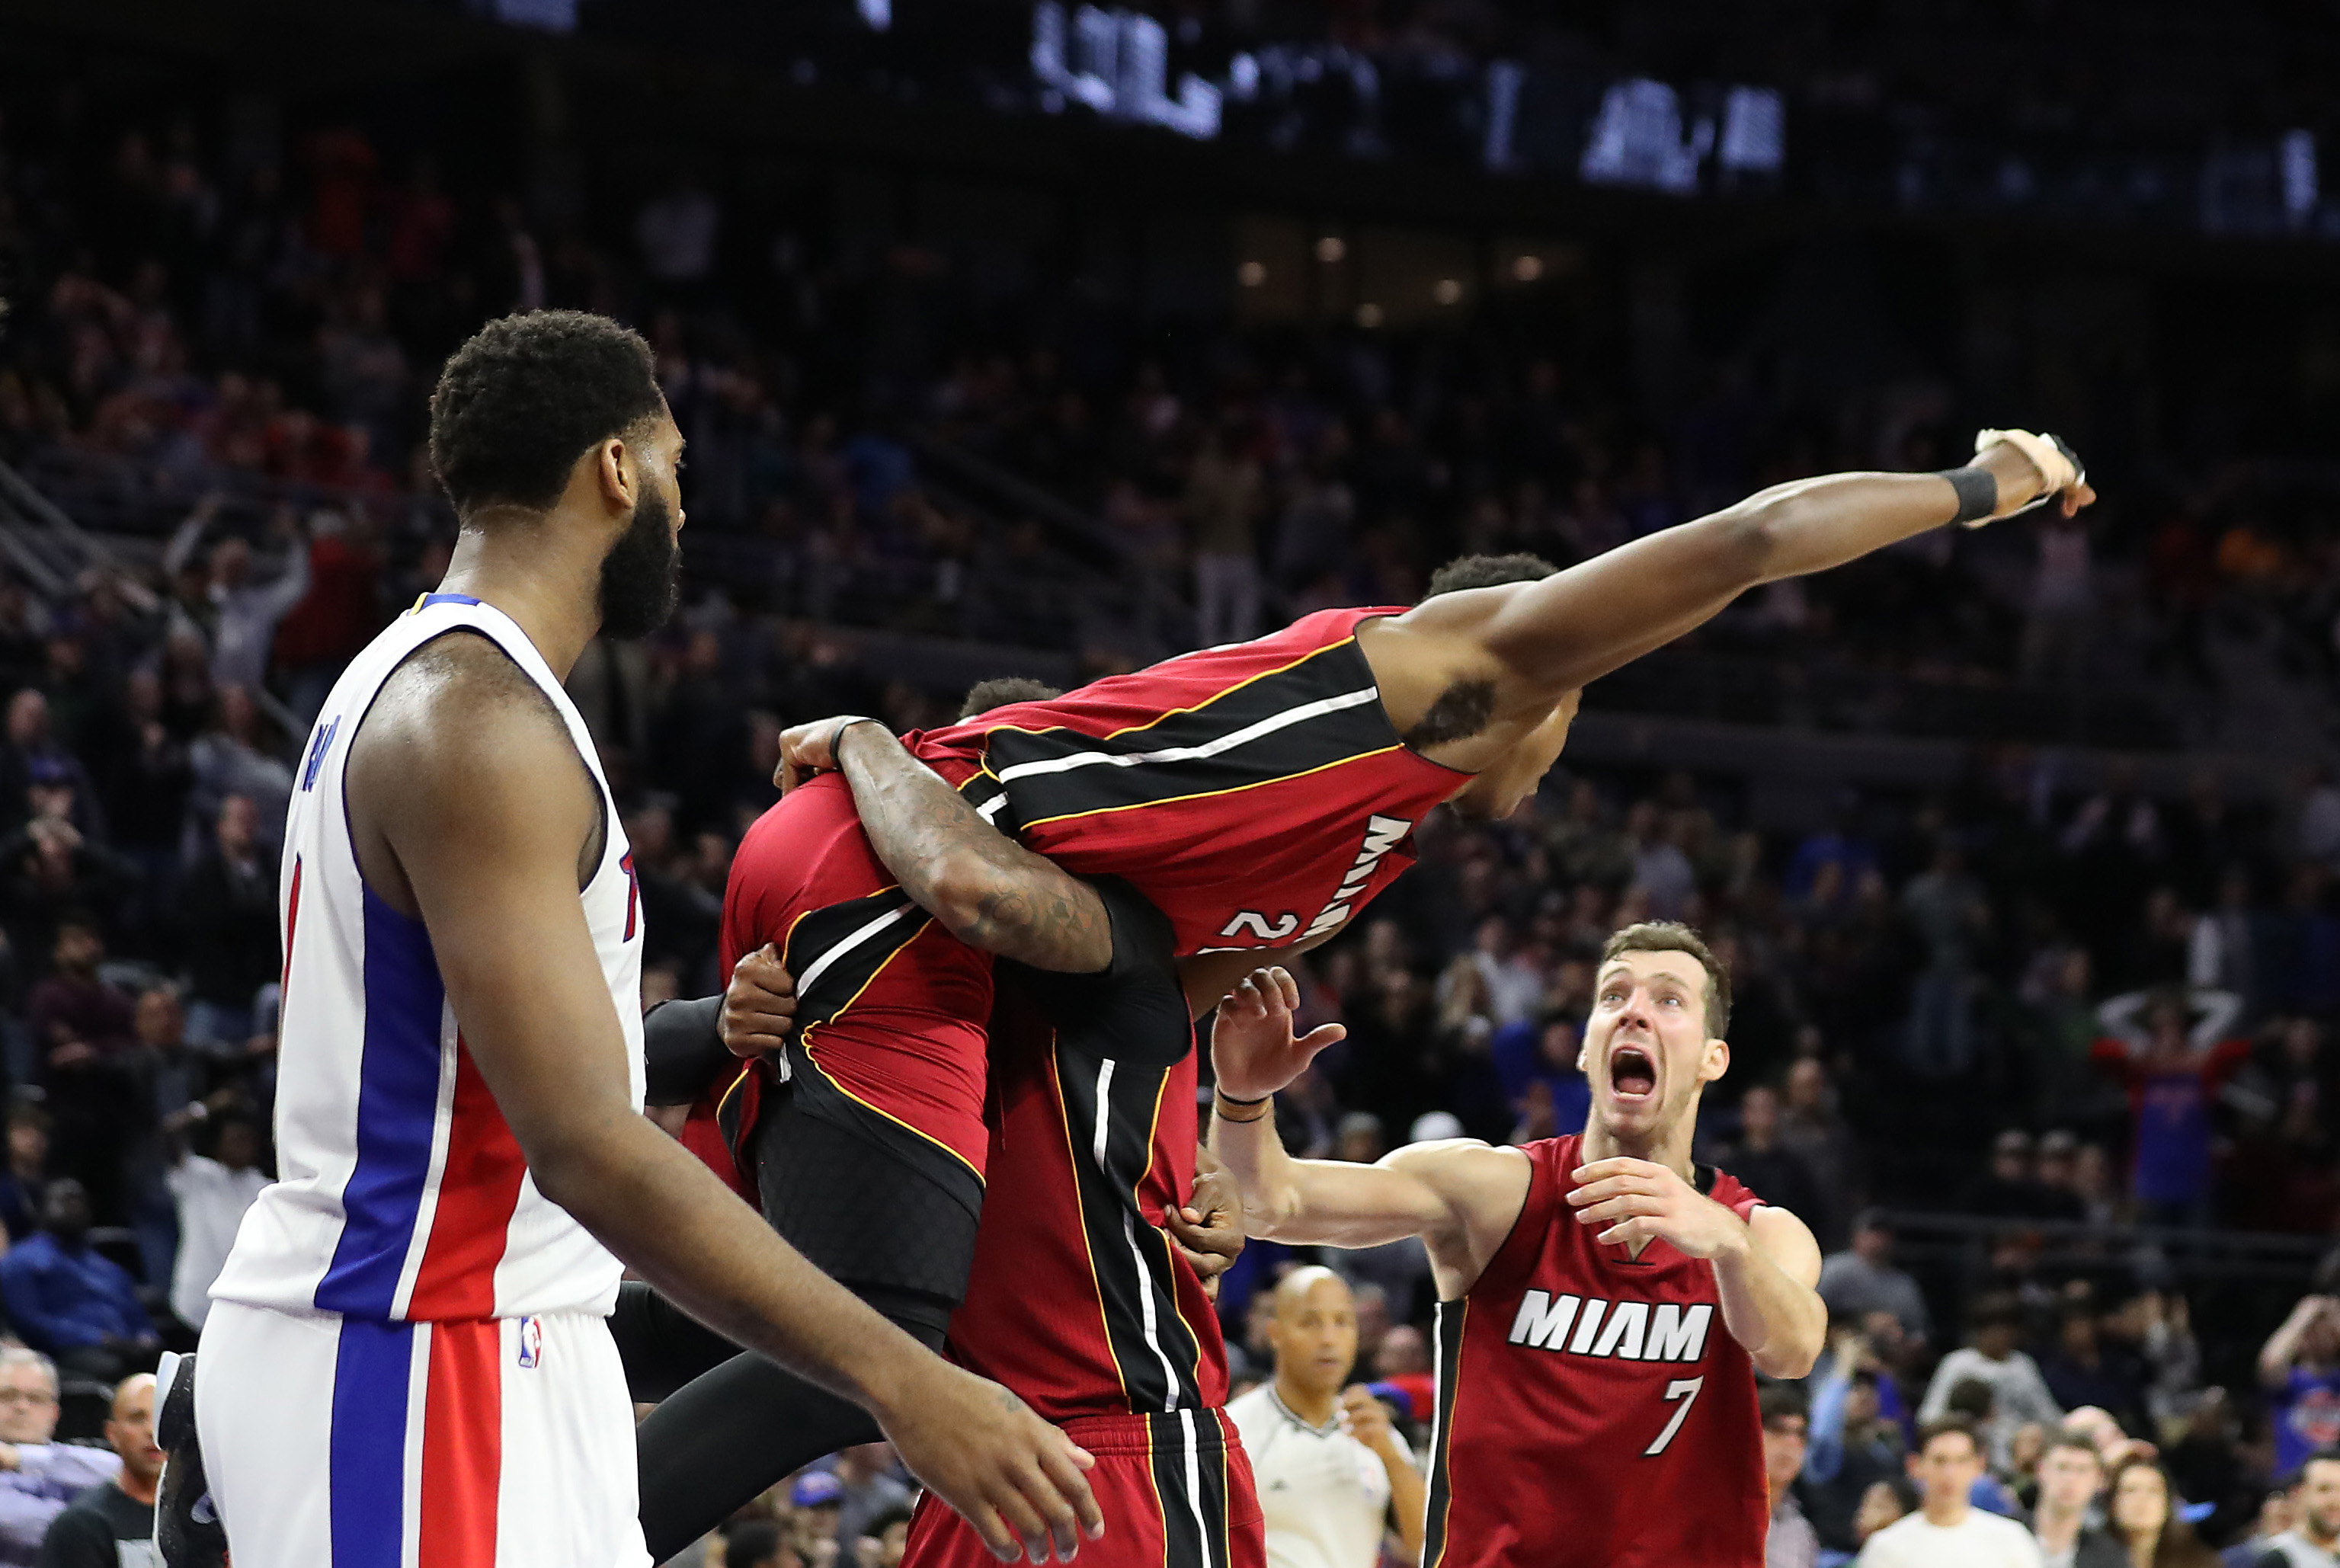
[[1752, 540], [1793, 1352], [966, 894]]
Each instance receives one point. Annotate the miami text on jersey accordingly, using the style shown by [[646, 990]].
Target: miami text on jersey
[[1622, 1330], [1382, 834]]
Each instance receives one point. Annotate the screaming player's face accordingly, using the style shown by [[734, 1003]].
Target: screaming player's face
[[642, 572], [1646, 1051], [1315, 1331], [1496, 793]]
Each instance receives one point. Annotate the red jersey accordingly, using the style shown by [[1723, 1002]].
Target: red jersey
[[1077, 1302], [1593, 1412], [1256, 793]]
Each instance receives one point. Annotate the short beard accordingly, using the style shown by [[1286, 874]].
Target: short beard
[[642, 574]]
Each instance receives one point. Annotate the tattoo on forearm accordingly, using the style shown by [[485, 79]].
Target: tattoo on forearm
[[921, 828]]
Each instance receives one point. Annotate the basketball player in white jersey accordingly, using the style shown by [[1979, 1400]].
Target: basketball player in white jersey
[[407, 1365]]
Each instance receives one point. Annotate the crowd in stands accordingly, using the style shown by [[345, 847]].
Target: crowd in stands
[[2061, 1009]]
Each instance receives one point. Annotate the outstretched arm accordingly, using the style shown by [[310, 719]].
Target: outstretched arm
[[1542, 639], [1460, 1197], [985, 888], [479, 828]]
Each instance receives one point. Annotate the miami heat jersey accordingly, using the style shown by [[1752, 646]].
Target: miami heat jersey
[[1254, 793], [403, 1195], [1077, 1301], [1592, 1410]]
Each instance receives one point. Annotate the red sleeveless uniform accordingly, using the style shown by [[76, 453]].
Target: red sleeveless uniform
[[1593, 1412], [1079, 1303], [1254, 794]]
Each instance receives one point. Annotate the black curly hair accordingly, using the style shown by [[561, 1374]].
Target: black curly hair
[[517, 404], [1466, 572]]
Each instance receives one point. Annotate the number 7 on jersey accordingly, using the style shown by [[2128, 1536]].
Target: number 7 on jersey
[[1684, 1389]]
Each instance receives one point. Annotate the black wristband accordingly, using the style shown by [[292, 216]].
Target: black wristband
[[837, 737], [1220, 1094], [1977, 491]]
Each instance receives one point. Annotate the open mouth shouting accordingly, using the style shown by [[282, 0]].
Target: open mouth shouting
[[1632, 1073]]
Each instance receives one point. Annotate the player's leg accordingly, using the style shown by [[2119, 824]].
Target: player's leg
[[563, 1455], [279, 1440], [732, 1434], [888, 1212], [661, 1347]]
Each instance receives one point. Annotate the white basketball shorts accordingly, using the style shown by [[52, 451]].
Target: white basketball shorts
[[347, 1443]]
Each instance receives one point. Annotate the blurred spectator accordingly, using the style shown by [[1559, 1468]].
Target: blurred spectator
[[2080, 1369], [1862, 1280], [212, 1191], [1947, 1531], [2142, 1514], [230, 758], [886, 1538], [2070, 1478], [1790, 1543], [243, 613], [815, 1501], [108, 1526], [865, 1472], [1948, 912], [2173, 1068], [2313, 1540], [758, 1544], [24, 1182], [1854, 1443], [38, 1475], [1990, 1356], [2299, 1367], [1813, 1128], [2274, 1517], [1758, 1158], [77, 1307], [228, 906], [82, 1026], [1224, 498]]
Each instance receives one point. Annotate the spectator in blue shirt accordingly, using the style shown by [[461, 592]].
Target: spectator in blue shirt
[[2299, 1367], [76, 1306], [37, 1476]]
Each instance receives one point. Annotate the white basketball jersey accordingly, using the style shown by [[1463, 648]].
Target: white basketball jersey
[[402, 1194]]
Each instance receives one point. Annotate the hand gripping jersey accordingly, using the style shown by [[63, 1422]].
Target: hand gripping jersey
[[1257, 793], [403, 1195], [1592, 1410]]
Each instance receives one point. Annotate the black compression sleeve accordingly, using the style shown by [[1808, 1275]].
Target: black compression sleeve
[[1134, 1011], [683, 1050], [735, 1433]]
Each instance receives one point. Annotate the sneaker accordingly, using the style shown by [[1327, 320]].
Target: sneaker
[[187, 1529]]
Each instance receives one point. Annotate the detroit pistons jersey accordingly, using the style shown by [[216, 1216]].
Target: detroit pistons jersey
[[1592, 1410], [403, 1195], [1257, 793]]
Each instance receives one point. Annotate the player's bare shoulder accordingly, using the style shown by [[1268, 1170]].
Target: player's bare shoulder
[[459, 730]]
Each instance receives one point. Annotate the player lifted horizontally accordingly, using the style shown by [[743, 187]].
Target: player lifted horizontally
[[1258, 795], [1604, 1304], [409, 1362]]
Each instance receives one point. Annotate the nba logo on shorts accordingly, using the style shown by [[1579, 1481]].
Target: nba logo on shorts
[[532, 1341]]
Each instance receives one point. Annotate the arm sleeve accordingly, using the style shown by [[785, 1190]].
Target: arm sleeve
[[682, 1049], [1134, 1011]]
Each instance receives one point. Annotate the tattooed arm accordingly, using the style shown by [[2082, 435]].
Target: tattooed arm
[[987, 889]]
